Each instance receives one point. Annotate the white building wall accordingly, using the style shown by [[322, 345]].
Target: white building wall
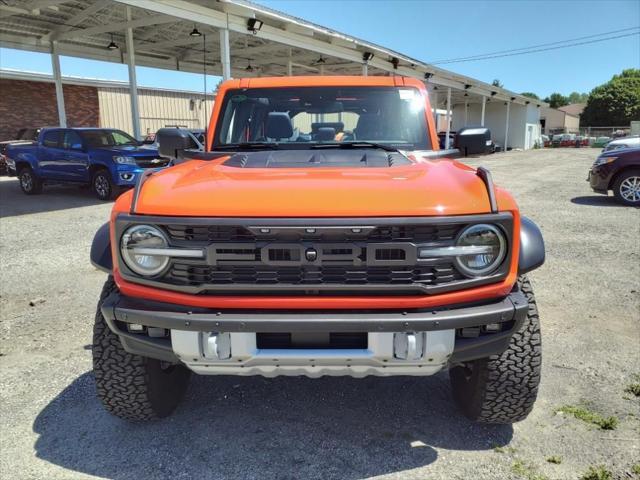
[[534, 130], [517, 126], [524, 122], [158, 108]]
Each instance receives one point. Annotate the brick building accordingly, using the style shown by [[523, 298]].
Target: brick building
[[26, 104], [28, 100]]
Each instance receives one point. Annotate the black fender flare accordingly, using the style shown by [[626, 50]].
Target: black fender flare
[[101, 250], [532, 252]]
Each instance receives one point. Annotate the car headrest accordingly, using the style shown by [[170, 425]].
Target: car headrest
[[368, 126], [337, 126], [278, 125], [325, 134]]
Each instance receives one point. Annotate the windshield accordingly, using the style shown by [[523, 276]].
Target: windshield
[[107, 138], [300, 117]]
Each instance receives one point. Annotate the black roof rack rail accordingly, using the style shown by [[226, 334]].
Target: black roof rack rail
[[136, 191], [485, 175]]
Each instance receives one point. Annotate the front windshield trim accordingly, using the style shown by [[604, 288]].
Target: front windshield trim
[[420, 129]]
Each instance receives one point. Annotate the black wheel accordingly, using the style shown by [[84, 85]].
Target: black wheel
[[503, 388], [103, 185], [130, 386], [626, 188], [29, 182]]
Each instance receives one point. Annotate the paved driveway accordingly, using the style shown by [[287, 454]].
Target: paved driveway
[[242, 428]]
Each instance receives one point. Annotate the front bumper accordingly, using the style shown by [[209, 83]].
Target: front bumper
[[437, 333], [126, 175], [599, 177]]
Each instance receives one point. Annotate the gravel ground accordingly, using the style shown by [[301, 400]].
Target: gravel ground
[[588, 294]]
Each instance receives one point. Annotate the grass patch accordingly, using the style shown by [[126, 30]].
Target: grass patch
[[582, 413], [508, 450], [633, 389], [557, 459], [636, 469], [528, 472], [597, 473]]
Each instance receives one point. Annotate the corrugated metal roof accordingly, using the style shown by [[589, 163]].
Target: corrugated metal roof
[[84, 28], [574, 109], [26, 75]]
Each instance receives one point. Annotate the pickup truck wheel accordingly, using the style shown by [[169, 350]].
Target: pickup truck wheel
[[103, 185], [503, 388], [626, 188], [29, 182], [132, 387]]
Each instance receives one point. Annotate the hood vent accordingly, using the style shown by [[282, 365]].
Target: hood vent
[[337, 158]]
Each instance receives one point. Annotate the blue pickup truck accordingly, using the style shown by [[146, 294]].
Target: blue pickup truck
[[104, 158]]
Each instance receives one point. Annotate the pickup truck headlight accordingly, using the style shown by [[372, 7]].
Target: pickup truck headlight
[[141, 249], [485, 247], [124, 160]]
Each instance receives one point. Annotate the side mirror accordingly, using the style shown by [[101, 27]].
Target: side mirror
[[172, 142], [473, 140], [77, 146]]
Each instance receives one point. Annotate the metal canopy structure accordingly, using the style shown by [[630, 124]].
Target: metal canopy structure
[[232, 38]]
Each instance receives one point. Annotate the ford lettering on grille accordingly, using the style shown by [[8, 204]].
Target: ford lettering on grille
[[312, 254]]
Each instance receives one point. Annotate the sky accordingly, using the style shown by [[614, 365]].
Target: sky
[[432, 30]]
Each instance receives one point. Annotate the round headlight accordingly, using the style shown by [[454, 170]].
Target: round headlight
[[140, 237], [490, 248]]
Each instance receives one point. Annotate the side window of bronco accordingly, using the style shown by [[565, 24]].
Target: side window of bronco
[[51, 139]]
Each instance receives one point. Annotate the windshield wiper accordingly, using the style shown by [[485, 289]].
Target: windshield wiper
[[247, 146], [356, 144]]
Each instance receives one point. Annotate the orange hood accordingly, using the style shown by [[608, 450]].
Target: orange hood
[[210, 189]]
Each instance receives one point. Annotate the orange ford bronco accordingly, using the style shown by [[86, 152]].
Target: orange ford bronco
[[321, 232]]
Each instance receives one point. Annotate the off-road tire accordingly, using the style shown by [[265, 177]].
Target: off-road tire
[[630, 175], [132, 387], [102, 185], [503, 388], [29, 181]]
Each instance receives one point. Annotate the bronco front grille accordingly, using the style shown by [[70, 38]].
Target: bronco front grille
[[314, 256], [387, 233], [185, 274]]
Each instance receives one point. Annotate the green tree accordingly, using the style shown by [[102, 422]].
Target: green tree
[[497, 83], [576, 97], [615, 103], [530, 95], [556, 100]]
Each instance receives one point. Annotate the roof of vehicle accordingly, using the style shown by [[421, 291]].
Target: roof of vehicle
[[323, 81], [635, 138], [81, 129]]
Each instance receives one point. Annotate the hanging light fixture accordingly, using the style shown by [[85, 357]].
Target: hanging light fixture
[[254, 25], [249, 68], [195, 32], [112, 45], [321, 61]]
